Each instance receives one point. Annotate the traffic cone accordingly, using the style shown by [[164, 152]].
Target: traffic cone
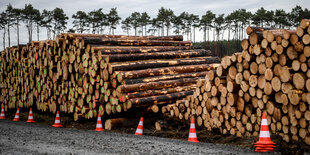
[[2, 115], [16, 117], [264, 143], [30, 116], [99, 124], [192, 137], [57, 121], [139, 130]]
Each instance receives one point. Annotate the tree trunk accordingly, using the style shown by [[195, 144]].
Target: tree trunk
[[110, 50], [167, 30], [157, 85], [156, 99], [160, 91], [17, 29], [164, 71], [163, 77], [9, 36], [160, 63], [4, 30], [119, 42], [205, 35], [194, 35], [38, 33], [145, 30], [158, 55]]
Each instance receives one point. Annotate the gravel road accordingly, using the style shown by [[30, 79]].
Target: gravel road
[[25, 138]]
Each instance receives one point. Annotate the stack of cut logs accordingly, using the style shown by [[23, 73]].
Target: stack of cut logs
[[271, 74], [87, 74]]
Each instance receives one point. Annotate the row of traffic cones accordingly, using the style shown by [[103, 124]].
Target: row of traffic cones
[[264, 143], [192, 132], [30, 117]]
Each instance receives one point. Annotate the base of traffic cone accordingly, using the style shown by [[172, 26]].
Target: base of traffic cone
[[262, 149], [138, 134], [267, 147], [193, 140], [15, 119], [57, 125], [2, 117], [99, 129], [31, 121]]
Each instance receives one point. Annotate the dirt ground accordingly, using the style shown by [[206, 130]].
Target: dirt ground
[[172, 138]]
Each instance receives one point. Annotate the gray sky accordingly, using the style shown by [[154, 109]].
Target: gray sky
[[126, 7]]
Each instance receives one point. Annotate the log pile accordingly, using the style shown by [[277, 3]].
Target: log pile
[[87, 74], [271, 74]]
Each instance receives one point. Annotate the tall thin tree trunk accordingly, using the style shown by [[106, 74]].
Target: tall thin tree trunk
[[4, 30], [163, 30], [30, 32], [194, 35], [228, 34], [135, 31], [208, 35], [9, 36], [204, 34], [145, 30], [38, 32], [29, 40], [213, 34], [17, 27], [190, 34], [167, 30]]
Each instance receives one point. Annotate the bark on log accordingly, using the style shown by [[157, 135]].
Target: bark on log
[[156, 85], [158, 55], [163, 77], [159, 92], [138, 65], [156, 99], [123, 42], [164, 71]]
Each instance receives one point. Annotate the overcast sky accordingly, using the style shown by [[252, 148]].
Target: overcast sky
[[126, 7]]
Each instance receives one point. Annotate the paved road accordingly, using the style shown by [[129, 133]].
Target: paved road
[[24, 138]]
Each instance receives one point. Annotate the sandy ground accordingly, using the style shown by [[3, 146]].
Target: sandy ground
[[25, 138]]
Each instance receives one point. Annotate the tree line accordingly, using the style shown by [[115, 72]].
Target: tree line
[[165, 23]]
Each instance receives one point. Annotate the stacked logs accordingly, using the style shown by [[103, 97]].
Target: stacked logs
[[270, 74], [87, 74]]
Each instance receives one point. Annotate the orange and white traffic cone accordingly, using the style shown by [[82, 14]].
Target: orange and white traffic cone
[[192, 137], [57, 121], [139, 130], [16, 117], [264, 143], [99, 124], [2, 115], [30, 116]]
